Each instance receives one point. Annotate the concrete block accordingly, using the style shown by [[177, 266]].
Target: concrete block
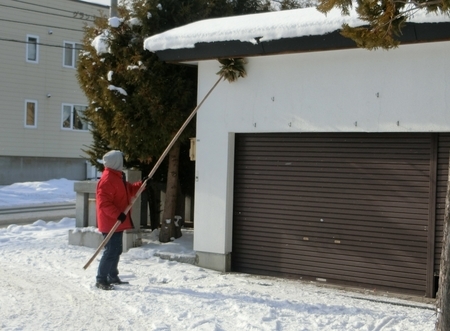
[[92, 212], [87, 186], [131, 238], [84, 190], [90, 237], [87, 237], [214, 261]]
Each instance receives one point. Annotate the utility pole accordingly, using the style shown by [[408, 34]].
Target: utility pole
[[113, 9]]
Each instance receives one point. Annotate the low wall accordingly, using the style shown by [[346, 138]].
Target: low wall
[[16, 169]]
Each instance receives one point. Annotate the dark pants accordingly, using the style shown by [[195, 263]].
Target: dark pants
[[107, 269]]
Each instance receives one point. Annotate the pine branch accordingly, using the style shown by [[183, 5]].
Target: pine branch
[[385, 18], [232, 69]]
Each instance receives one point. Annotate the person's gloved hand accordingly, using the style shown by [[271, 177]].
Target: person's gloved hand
[[122, 217]]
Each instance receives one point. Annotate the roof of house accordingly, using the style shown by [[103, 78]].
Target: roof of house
[[94, 3], [290, 31]]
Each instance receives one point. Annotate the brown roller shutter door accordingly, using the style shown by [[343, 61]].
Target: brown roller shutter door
[[349, 208], [442, 177]]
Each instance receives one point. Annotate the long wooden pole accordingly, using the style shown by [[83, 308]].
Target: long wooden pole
[[150, 175]]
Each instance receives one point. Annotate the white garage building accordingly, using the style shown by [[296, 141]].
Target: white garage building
[[327, 162]]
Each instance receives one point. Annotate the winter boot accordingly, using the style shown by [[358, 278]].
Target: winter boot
[[116, 281], [104, 286]]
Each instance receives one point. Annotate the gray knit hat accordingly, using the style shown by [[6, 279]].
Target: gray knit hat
[[113, 160]]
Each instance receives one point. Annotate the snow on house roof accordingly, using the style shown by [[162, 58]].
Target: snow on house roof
[[262, 27], [105, 3]]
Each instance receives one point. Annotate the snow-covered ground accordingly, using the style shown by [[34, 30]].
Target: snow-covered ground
[[44, 287], [37, 193]]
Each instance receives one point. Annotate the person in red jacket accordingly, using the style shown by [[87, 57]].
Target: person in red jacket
[[113, 195]]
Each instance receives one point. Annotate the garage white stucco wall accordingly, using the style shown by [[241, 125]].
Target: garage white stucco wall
[[401, 90]]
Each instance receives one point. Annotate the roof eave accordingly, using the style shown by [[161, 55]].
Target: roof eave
[[411, 33]]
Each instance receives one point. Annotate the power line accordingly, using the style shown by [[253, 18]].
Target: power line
[[81, 15], [42, 6], [40, 44], [43, 25], [75, 14]]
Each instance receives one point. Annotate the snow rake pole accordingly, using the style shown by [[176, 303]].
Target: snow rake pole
[[150, 175]]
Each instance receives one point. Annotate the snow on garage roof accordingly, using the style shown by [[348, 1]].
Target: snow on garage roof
[[262, 27]]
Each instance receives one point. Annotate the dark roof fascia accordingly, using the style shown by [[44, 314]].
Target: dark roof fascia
[[411, 33]]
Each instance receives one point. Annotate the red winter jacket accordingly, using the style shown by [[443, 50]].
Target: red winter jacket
[[112, 199]]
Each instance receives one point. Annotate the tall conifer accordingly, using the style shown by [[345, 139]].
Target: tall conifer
[[136, 102]]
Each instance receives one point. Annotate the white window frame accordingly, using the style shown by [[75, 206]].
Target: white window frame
[[35, 113], [75, 47], [69, 118], [28, 45]]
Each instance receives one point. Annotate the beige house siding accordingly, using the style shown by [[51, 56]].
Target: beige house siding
[[48, 82]]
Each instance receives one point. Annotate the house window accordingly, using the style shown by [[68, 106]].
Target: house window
[[32, 49], [70, 55], [31, 107], [73, 118]]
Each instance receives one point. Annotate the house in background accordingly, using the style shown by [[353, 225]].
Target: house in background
[[42, 133], [327, 162]]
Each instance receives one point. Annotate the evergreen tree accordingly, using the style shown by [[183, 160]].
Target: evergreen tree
[[136, 102], [385, 18]]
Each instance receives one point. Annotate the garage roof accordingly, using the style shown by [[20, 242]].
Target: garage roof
[[290, 31]]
